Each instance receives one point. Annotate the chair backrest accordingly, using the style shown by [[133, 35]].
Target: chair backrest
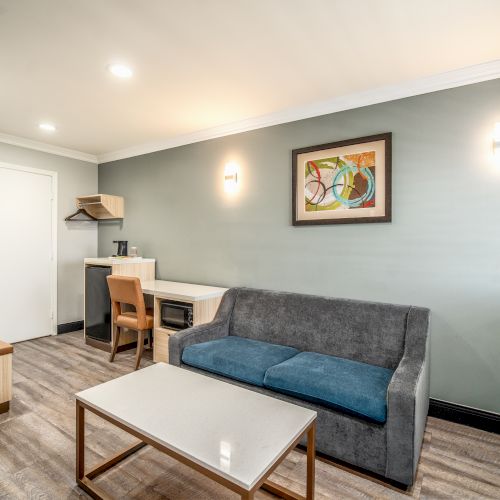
[[126, 290], [362, 331]]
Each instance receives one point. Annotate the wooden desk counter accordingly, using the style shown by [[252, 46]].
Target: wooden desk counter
[[205, 300], [181, 291], [5, 376]]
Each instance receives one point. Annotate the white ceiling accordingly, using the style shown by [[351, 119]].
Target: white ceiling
[[200, 64]]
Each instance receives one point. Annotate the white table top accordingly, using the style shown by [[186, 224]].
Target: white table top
[[181, 291], [234, 432], [111, 261]]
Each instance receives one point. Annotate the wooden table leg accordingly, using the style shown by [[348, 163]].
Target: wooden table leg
[[80, 442], [311, 456], [84, 479]]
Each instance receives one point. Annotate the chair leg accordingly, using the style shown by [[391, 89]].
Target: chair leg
[[140, 347], [116, 339]]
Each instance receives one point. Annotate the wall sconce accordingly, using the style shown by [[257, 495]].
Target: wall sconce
[[496, 142], [231, 177]]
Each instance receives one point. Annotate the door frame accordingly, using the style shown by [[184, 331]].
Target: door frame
[[53, 266]]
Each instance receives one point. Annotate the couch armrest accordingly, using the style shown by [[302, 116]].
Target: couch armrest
[[218, 328], [408, 400]]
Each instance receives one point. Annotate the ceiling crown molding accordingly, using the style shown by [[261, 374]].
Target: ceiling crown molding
[[47, 148], [456, 78]]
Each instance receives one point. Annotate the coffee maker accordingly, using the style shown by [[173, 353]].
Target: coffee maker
[[122, 248]]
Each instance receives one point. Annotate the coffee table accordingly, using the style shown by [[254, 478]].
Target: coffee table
[[234, 436]]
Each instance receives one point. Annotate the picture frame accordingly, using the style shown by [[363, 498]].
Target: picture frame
[[343, 182]]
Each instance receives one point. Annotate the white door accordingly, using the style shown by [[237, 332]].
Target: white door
[[27, 253]]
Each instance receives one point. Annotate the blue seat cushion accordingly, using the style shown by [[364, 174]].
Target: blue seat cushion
[[349, 386], [236, 357]]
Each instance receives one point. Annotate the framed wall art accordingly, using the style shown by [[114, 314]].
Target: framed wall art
[[342, 182]]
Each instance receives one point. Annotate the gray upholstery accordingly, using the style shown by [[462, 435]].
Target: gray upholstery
[[387, 335], [338, 327], [408, 399]]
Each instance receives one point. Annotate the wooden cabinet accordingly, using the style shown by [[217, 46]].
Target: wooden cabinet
[[5, 376], [204, 309], [97, 304]]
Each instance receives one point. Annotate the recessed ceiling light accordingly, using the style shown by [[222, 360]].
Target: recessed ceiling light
[[47, 127], [120, 70]]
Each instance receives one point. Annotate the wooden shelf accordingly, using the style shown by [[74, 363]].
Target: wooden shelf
[[102, 206]]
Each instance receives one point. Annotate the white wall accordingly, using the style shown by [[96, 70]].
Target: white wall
[[75, 241]]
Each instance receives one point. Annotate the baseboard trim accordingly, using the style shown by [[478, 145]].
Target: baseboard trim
[[70, 327], [479, 419]]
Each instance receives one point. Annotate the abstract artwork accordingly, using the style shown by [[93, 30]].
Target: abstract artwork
[[343, 182]]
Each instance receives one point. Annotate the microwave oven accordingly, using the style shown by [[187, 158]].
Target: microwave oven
[[176, 315]]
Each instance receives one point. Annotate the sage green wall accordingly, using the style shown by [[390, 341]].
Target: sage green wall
[[442, 249], [75, 241]]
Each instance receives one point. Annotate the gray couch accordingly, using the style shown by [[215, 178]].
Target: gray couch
[[393, 337]]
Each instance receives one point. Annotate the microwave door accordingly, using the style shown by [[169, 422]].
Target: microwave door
[[175, 316]]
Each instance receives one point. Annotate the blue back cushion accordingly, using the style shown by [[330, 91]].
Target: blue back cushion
[[242, 359], [350, 386]]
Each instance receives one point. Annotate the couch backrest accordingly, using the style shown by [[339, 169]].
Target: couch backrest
[[362, 331]]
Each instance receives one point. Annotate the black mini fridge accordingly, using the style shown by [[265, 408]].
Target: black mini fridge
[[97, 303]]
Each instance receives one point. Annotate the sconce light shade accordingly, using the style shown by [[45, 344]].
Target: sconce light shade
[[496, 141], [231, 177]]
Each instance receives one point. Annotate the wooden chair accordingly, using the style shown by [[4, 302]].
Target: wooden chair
[[127, 290]]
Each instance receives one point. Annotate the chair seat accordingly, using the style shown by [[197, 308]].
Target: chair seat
[[342, 384], [236, 357], [129, 319]]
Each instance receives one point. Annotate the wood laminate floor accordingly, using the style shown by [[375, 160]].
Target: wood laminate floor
[[37, 446]]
